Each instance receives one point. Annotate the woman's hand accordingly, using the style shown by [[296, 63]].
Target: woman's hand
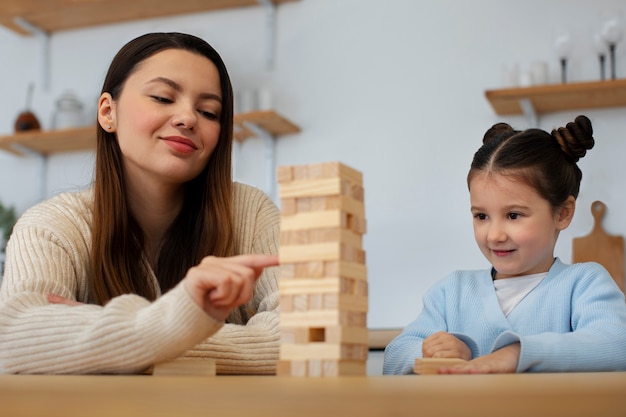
[[219, 285], [445, 345], [499, 362], [57, 299]]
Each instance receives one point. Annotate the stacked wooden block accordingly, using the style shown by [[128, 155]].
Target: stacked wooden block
[[323, 278]]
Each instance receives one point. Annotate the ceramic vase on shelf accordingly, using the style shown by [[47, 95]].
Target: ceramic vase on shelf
[[26, 120]]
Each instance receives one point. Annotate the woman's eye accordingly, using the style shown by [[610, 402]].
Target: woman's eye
[[208, 115], [161, 99]]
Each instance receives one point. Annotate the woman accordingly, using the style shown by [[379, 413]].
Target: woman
[[150, 261]]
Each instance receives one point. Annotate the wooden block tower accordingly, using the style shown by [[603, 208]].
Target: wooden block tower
[[323, 278]]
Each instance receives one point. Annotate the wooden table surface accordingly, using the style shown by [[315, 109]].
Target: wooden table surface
[[578, 394]]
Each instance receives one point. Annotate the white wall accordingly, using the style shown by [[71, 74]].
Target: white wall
[[393, 88]]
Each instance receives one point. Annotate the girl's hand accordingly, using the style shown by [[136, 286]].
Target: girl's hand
[[499, 362], [219, 285], [444, 345]]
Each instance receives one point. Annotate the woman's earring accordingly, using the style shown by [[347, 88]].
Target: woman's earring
[[108, 127]]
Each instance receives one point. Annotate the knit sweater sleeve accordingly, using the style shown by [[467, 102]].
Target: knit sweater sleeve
[[48, 253], [249, 342]]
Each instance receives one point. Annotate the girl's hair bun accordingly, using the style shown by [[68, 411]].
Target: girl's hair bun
[[498, 131], [575, 138]]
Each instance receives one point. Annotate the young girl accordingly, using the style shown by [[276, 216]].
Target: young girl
[[152, 259], [530, 312]]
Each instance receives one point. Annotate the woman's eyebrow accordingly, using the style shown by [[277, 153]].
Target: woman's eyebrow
[[178, 88]]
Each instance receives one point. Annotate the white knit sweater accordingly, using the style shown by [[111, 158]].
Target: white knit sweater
[[48, 252]]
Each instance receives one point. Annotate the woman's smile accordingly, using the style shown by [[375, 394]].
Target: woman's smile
[[180, 144]]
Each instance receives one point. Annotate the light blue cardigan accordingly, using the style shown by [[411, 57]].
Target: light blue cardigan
[[574, 320]]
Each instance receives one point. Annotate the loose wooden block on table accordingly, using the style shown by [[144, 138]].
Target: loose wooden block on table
[[430, 366]]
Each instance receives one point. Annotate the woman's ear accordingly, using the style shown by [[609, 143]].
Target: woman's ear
[[566, 213], [106, 112]]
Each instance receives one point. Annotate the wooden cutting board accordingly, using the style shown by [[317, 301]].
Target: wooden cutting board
[[598, 246]]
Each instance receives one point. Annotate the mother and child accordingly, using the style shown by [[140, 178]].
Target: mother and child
[[166, 256]]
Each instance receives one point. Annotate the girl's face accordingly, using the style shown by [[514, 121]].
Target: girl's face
[[167, 117], [515, 228]]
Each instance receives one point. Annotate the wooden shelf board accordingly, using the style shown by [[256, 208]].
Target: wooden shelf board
[[58, 15], [268, 120], [84, 138], [559, 97], [50, 142]]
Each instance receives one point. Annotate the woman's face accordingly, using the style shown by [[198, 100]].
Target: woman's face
[[167, 117]]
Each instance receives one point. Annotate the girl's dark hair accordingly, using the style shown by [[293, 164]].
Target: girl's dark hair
[[203, 227], [546, 162]]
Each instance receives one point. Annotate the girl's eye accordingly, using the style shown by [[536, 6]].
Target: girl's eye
[[161, 99], [480, 216], [514, 216]]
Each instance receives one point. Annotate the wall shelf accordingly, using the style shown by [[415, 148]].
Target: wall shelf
[[58, 15], [84, 138], [269, 121], [542, 99], [50, 142]]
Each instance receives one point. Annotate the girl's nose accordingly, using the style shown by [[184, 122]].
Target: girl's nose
[[496, 233]]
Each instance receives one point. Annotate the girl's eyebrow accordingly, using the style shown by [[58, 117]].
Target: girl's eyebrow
[[178, 88]]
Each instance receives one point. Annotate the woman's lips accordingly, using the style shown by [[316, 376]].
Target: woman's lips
[[180, 144]]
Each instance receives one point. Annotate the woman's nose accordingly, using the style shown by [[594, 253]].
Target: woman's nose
[[185, 117]]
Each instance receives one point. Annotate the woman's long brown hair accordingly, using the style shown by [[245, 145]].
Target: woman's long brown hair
[[204, 225]]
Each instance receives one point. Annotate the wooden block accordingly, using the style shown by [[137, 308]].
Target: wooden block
[[322, 318], [284, 174], [345, 302], [323, 219], [347, 334], [300, 173], [321, 235], [321, 368], [186, 367], [294, 334], [430, 366], [328, 285], [288, 206], [345, 269], [332, 251], [330, 334], [323, 203], [314, 220], [291, 368], [331, 368], [316, 302], [321, 269], [318, 171], [308, 351]]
